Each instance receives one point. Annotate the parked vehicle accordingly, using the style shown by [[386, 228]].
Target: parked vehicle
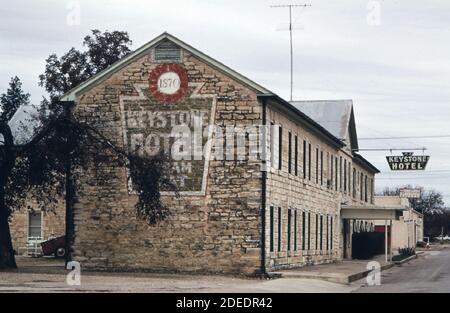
[[55, 246]]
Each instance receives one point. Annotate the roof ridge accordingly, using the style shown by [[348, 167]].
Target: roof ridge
[[104, 74]]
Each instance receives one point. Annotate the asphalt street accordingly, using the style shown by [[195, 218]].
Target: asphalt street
[[429, 273]]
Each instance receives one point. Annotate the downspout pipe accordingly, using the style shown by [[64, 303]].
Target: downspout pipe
[[263, 189]]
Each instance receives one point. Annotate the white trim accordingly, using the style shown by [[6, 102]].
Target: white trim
[[28, 224]]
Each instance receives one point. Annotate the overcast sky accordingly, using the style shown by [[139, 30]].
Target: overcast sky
[[392, 57]]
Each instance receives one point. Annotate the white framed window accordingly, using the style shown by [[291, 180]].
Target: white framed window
[[34, 225], [275, 141]]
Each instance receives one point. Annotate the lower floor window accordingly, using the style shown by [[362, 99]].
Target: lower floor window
[[34, 225]]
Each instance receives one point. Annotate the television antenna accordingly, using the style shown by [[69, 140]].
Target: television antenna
[[290, 7]]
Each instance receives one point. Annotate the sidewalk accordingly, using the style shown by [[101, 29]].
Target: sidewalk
[[343, 272]]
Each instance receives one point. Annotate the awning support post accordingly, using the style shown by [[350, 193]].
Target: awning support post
[[385, 241], [390, 240]]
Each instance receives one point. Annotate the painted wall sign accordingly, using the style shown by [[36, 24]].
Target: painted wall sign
[[408, 162], [410, 193], [168, 83], [180, 129]]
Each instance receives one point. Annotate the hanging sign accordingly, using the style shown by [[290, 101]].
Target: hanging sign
[[408, 162]]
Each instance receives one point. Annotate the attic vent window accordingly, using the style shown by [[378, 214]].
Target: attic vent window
[[167, 51]]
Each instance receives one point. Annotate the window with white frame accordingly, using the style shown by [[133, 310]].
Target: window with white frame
[[35, 225], [275, 145]]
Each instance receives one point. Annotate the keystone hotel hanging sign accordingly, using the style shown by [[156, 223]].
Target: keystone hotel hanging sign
[[408, 162]]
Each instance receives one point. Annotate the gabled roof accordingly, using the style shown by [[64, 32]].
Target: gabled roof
[[72, 94], [145, 49], [336, 116]]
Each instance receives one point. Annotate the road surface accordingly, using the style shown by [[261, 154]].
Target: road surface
[[429, 273]]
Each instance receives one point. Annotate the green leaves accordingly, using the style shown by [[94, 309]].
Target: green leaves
[[13, 99]]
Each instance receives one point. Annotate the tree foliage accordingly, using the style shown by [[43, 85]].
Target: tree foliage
[[431, 205], [47, 166], [12, 100], [74, 67]]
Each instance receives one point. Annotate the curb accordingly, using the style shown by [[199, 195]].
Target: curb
[[330, 277], [357, 276], [340, 278], [406, 260]]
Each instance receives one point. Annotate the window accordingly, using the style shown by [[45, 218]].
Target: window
[[295, 230], [365, 189], [279, 229], [336, 174], [304, 159], [321, 167], [167, 51], [317, 231], [349, 177], [309, 161], [345, 176], [331, 233], [317, 165], [372, 187], [280, 148], [331, 172], [289, 230], [361, 187], [303, 230], [354, 183], [321, 233], [328, 245], [309, 230], [340, 173], [290, 153], [296, 155], [271, 228], [35, 225], [273, 141], [328, 171]]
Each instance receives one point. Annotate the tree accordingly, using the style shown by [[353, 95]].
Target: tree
[[46, 167], [9, 104], [74, 67], [431, 205]]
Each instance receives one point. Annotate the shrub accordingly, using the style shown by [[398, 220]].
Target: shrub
[[406, 251]]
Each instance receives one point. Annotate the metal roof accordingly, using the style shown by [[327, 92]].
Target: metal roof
[[334, 115]]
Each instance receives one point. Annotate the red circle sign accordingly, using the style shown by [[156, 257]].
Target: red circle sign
[[168, 83]]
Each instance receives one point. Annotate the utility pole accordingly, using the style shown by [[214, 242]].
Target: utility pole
[[290, 6]]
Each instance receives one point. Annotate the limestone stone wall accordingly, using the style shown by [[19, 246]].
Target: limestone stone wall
[[317, 194], [214, 226]]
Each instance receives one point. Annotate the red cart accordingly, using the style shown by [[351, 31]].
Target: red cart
[[55, 246]]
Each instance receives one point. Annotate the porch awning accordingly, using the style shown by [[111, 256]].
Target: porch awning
[[371, 212]]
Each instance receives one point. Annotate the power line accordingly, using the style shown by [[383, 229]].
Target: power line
[[409, 178], [390, 149], [426, 171], [290, 6], [404, 137]]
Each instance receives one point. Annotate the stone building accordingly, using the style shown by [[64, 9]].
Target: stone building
[[264, 183], [30, 226], [406, 231]]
